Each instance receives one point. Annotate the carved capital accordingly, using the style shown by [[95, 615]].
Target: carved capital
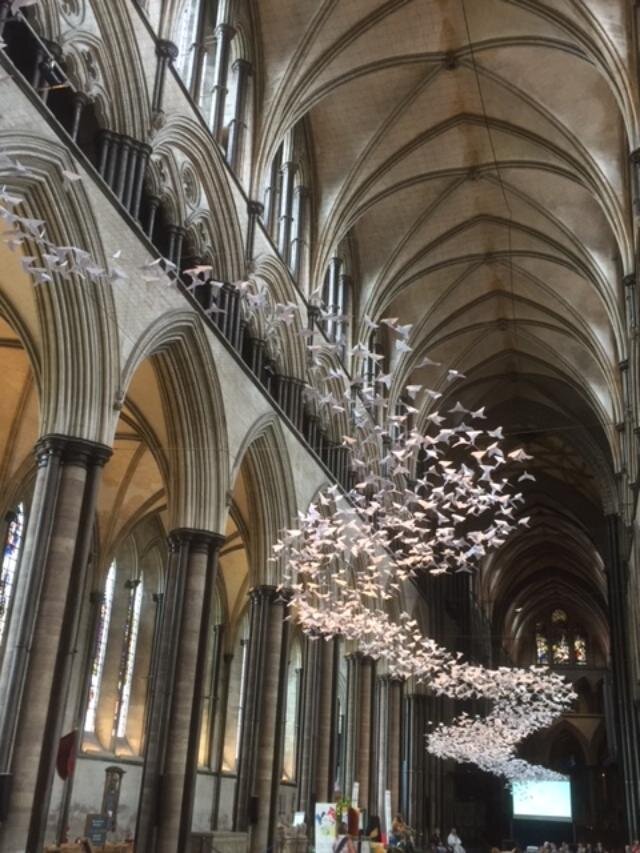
[[71, 451], [166, 49], [203, 541]]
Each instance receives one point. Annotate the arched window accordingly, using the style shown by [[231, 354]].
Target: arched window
[[559, 643], [128, 656], [97, 664], [186, 40], [242, 690], [294, 678], [196, 42], [10, 562], [236, 697], [335, 300], [273, 195]]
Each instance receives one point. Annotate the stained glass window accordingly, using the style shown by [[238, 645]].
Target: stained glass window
[[97, 664], [542, 649], [10, 560], [128, 660], [580, 650], [561, 650], [559, 642]]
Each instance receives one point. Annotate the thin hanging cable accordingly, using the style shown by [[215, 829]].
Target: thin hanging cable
[[498, 174]]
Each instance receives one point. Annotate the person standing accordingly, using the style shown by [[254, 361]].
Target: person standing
[[343, 842], [455, 842]]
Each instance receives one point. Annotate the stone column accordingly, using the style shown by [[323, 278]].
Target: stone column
[[414, 803], [80, 101], [635, 180], [143, 160], [96, 600], [242, 70], [270, 728], [223, 704], [106, 139], [132, 174], [5, 8], [259, 764], [115, 141], [160, 694], [388, 744], [54, 564], [122, 169], [310, 744], [256, 357], [255, 209], [365, 732], [617, 583], [167, 52], [394, 746], [382, 745], [260, 598], [190, 628], [154, 204], [286, 198], [301, 196], [351, 722], [335, 266], [224, 34], [327, 720], [211, 710]]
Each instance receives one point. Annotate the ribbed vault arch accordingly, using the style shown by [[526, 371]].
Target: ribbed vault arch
[[195, 416]]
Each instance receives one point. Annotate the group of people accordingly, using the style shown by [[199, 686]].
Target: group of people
[[550, 847], [400, 838]]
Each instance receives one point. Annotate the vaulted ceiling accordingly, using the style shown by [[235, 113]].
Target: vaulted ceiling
[[475, 153]]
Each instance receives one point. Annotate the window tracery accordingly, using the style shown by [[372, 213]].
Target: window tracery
[[97, 664], [125, 680], [186, 40], [294, 679], [10, 563], [559, 643]]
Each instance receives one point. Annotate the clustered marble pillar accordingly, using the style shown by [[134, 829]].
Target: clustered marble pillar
[[624, 710], [422, 776], [388, 751], [309, 717], [54, 565], [326, 699], [242, 69], [261, 735], [171, 759], [359, 727]]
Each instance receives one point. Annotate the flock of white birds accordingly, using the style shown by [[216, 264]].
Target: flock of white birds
[[347, 560]]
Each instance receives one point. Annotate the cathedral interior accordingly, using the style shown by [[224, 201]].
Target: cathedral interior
[[232, 232]]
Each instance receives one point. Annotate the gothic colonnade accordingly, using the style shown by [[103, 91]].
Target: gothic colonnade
[[384, 724]]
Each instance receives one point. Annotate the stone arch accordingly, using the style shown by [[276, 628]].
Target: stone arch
[[564, 738], [124, 97], [196, 423], [183, 136], [74, 319], [292, 355], [270, 485]]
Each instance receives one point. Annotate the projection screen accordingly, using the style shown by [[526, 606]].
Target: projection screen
[[542, 800]]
